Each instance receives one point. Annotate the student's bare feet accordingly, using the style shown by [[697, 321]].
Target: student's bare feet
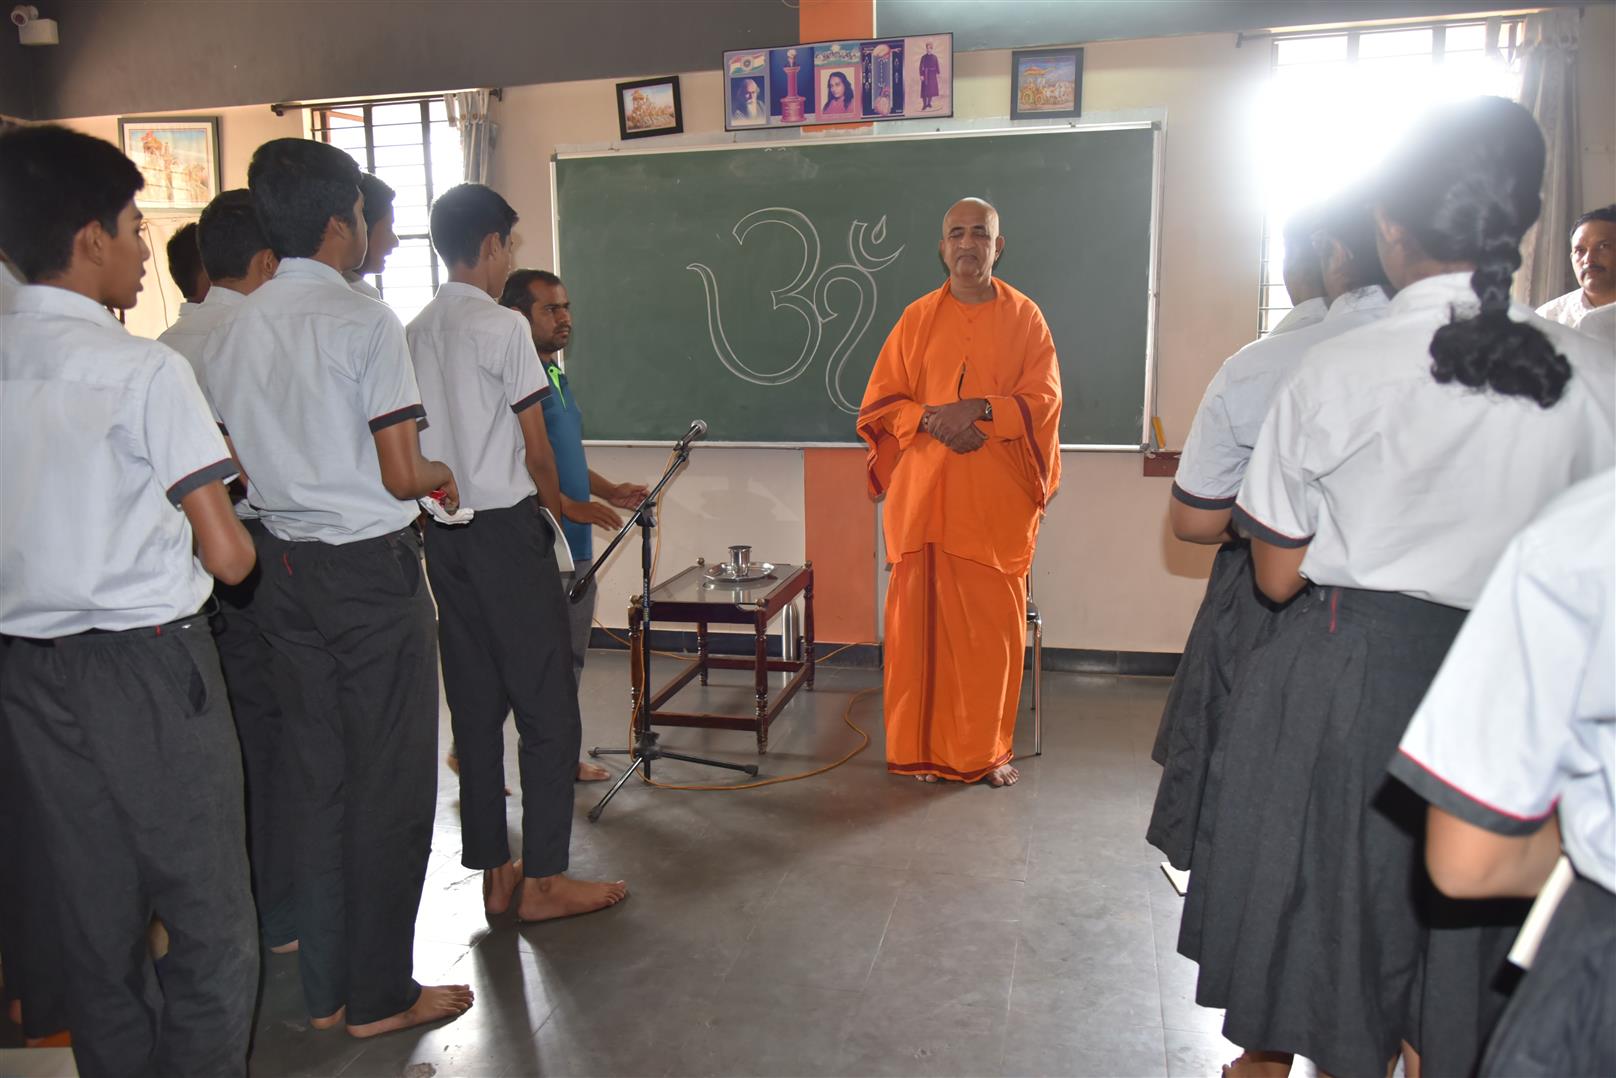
[[499, 887], [588, 772], [1003, 775], [1251, 1064], [434, 1004], [284, 948], [330, 1021], [550, 897]]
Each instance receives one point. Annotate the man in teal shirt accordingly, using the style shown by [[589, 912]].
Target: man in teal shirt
[[542, 299]]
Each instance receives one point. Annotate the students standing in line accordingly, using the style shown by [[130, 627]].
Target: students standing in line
[[1390, 473], [502, 618], [237, 258], [1515, 749], [313, 385], [116, 521], [380, 238]]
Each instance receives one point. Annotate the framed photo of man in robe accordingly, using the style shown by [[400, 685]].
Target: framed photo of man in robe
[[747, 83], [1046, 84], [178, 156], [928, 68]]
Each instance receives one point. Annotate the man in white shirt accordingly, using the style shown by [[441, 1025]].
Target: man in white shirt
[[237, 259], [502, 617], [313, 384], [9, 281], [112, 711], [1593, 263]]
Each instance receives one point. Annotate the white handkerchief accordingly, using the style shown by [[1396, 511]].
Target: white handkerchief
[[443, 516]]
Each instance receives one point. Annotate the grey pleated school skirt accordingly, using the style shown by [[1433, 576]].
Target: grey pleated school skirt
[[1561, 1022], [1221, 637], [1308, 919]]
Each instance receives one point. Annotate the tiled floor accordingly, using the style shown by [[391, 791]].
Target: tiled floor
[[849, 924]]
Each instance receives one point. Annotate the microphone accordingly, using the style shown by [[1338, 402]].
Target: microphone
[[697, 431]]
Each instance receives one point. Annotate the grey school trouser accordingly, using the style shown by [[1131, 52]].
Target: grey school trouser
[[257, 682], [354, 625], [130, 764], [502, 627]]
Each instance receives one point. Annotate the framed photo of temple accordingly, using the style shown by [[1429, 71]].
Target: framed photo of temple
[[1046, 84], [649, 107], [828, 82], [178, 156]]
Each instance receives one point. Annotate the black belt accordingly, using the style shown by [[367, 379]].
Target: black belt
[[209, 608]]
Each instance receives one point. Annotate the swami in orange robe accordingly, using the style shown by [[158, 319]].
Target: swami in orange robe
[[961, 526]]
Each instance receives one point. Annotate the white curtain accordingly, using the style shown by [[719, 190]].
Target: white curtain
[[468, 114], [1549, 92]]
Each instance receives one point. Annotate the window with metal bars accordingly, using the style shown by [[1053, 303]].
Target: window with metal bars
[[1339, 100], [410, 146]]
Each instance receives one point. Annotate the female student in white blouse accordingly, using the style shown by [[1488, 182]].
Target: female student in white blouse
[[1389, 475], [1338, 242]]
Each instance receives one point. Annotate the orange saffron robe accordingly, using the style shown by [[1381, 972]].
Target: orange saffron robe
[[960, 528]]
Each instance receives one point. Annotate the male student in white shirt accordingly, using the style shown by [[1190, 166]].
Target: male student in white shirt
[[381, 240], [313, 384], [237, 259], [502, 617], [112, 707], [1593, 262]]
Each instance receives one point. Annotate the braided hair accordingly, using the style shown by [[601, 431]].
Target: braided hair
[[1465, 185]]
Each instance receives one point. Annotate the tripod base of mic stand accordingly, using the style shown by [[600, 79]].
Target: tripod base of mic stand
[[647, 750]]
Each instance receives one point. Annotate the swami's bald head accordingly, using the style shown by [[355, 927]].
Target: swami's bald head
[[971, 246]]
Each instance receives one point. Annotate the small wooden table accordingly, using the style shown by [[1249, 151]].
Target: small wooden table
[[686, 598]]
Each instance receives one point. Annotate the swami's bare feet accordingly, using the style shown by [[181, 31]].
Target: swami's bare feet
[[499, 887], [1258, 1065], [284, 948], [434, 1004], [926, 778], [588, 772], [330, 1021], [1003, 775], [551, 897]]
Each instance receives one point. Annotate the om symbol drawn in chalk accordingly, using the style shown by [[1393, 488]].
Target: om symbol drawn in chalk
[[808, 294]]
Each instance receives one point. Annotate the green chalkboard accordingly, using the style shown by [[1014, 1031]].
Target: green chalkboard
[[752, 285]]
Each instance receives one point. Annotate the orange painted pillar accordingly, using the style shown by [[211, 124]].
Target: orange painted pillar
[[838, 516]]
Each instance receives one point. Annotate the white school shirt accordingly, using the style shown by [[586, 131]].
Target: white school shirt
[[1522, 716], [1600, 324], [1306, 313], [102, 433], [301, 379], [1568, 310], [190, 333], [1396, 482], [189, 337], [10, 283], [1213, 460], [362, 286], [478, 370]]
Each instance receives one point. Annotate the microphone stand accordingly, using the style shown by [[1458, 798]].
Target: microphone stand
[[646, 747]]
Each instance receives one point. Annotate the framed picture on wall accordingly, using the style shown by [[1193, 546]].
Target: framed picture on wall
[[178, 155], [649, 107], [1046, 84]]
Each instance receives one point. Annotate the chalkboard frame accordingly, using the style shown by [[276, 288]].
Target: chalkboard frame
[[1072, 127]]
